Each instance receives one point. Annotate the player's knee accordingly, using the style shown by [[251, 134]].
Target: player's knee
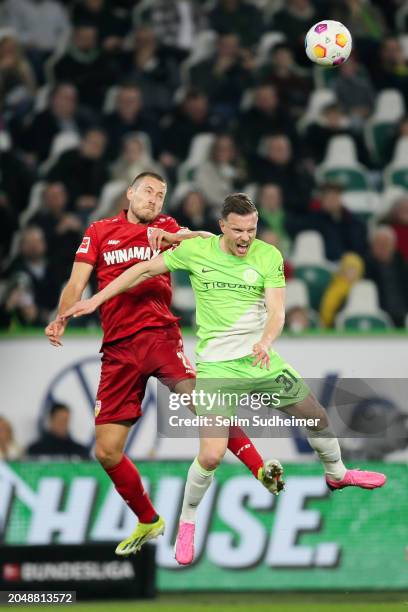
[[210, 459], [107, 457]]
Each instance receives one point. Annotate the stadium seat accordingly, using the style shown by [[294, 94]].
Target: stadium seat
[[179, 193], [362, 311], [204, 47], [64, 141], [396, 173], [41, 98], [266, 45], [198, 153], [365, 204], [341, 165], [110, 192], [296, 294], [380, 128], [34, 203], [5, 141], [311, 266], [110, 99], [317, 101]]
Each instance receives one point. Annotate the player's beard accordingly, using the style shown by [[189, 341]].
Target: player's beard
[[145, 215]]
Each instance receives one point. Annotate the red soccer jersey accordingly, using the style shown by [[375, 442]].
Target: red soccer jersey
[[114, 245]]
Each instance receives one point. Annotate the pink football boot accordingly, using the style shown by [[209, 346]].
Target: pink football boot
[[357, 478], [185, 543]]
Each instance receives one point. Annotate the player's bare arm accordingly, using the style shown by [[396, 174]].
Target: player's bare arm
[[71, 293], [159, 237], [128, 279], [275, 307]]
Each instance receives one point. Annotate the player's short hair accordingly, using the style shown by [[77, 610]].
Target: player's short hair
[[238, 203], [142, 175], [56, 407]]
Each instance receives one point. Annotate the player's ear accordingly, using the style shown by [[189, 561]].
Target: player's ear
[[222, 225], [130, 192]]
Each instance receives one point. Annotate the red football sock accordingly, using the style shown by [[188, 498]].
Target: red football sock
[[241, 446], [128, 484]]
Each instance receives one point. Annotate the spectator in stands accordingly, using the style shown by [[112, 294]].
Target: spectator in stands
[[56, 439], [9, 449], [294, 20], [332, 122], [341, 229], [62, 229], [32, 291], [391, 71], [192, 117], [265, 116], [8, 224], [398, 220], [272, 215], [297, 320], [276, 164], [292, 83], [271, 237], [85, 66], [350, 270], [129, 115], [240, 17], [226, 75], [83, 171], [389, 272], [175, 23], [62, 115], [222, 173], [365, 21], [42, 26], [111, 25], [17, 82], [16, 180], [135, 159], [154, 67], [354, 91], [194, 213]]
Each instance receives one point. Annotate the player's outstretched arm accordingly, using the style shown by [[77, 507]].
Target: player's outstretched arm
[[160, 237], [130, 278], [275, 307], [71, 293]]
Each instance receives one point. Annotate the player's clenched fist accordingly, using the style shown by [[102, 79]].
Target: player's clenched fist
[[55, 330], [81, 308], [159, 238]]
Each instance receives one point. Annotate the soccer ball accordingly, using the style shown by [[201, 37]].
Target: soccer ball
[[328, 43]]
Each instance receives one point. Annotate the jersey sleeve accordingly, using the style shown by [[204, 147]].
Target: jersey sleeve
[[275, 276], [88, 250], [181, 257], [173, 227]]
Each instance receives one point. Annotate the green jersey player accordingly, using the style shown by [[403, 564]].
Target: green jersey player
[[238, 282]]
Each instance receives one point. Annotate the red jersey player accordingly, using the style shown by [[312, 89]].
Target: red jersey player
[[141, 339]]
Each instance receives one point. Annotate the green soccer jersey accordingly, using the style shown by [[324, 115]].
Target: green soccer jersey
[[229, 293]]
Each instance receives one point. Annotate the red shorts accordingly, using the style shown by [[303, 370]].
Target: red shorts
[[127, 365]]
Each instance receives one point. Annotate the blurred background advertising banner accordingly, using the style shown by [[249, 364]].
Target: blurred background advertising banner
[[34, 374], [247, 539]]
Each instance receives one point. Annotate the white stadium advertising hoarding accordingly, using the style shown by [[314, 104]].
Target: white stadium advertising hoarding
[[32, 372]]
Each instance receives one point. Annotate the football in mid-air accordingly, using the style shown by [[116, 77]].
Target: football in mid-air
[[328, 43]]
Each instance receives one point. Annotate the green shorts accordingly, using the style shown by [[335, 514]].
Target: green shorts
[[223, 385]]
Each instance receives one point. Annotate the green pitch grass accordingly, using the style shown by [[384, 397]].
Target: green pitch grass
[[244, 602]]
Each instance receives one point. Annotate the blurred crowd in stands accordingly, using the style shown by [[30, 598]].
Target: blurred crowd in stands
[[218, 96]]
